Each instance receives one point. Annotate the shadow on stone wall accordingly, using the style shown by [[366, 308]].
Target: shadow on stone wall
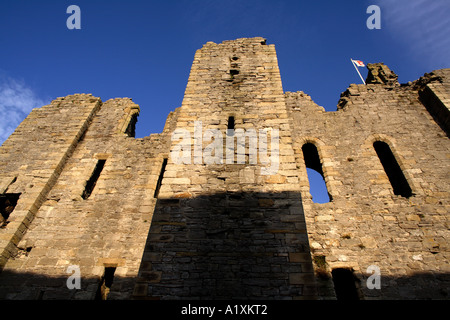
[[248, 246], [31, 286], [417, 286], [226, 246], [27, 286]]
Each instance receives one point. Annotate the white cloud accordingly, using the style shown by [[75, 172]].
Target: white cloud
[[16, 102], [422, 25]]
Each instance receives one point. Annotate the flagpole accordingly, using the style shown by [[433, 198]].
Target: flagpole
[[357, 71]]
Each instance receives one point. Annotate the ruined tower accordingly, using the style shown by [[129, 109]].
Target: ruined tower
[[218, 205]]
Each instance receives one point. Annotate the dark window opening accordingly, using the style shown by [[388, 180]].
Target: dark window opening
[[234, 72], [318, 188], [40, 295], [230, 123], [104, 287], [131, 129], [344, 284], [8, 202], [392, 169], [160, 178], [90, 184]]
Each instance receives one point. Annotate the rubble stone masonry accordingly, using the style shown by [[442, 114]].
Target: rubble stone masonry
[[78, 189]]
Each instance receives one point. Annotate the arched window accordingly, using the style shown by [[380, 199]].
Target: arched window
[[318, 188], [393, 171]]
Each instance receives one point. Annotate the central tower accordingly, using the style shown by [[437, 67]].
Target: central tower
[[228, 221]]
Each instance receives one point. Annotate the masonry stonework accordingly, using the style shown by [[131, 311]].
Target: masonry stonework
[[78, 189]]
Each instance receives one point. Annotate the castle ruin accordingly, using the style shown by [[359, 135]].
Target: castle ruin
[[79, 192]]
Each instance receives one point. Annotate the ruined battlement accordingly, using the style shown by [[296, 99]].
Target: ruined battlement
[[219, 204]]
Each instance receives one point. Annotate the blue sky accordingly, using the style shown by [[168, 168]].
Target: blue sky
[[144, 49]]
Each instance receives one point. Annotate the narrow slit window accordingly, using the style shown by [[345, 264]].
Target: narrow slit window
[[393, 171], [344, 284], [160, 178], [230, 123], [90, 184], [8, 202], [131, 129], [317, 185], [105, 284]]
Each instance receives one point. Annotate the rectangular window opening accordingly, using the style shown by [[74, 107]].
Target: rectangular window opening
[[344, 284], [106, 282], [8, 202], [230, 123], [90, 184], [160, 178]]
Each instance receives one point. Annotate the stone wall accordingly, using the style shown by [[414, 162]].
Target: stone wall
[[366, 223], [225, 230], [32, 158], [211, 226], [107, 229]]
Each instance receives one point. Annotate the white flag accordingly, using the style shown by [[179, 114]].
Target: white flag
[[358, 63]]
